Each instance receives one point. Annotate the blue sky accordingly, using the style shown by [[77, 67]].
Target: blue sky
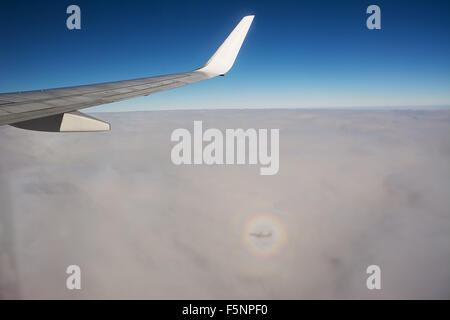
[[297, 54]]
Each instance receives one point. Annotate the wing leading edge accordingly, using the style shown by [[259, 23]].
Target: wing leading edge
[[56, 110]]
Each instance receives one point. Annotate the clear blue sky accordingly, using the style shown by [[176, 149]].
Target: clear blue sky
[[297, 53]]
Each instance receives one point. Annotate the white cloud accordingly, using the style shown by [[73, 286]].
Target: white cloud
[[354, 188]]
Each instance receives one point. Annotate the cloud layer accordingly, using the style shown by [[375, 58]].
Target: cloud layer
[[355, 188]]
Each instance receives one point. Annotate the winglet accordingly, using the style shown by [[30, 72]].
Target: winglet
[[222, 61]]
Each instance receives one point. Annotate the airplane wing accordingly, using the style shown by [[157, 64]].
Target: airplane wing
[[56, 110]]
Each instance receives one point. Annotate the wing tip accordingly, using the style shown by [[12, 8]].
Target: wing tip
[[223, 59]]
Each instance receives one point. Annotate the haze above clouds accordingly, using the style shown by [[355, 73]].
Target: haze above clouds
[[354, 188]]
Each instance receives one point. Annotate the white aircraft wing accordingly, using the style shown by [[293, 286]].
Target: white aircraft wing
[[56, 110]]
